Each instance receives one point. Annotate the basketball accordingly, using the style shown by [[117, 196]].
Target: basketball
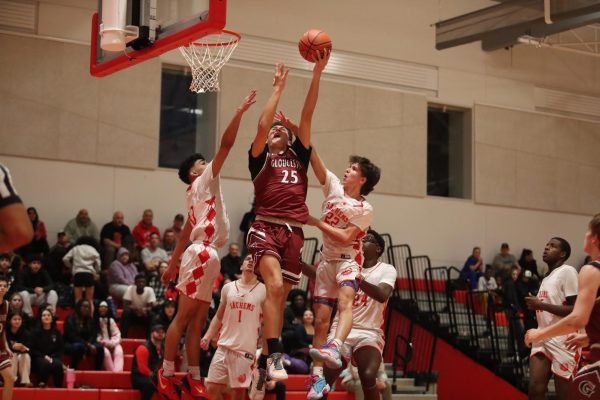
[[312, 41]]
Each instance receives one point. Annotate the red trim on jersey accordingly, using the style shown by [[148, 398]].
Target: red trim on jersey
[[250, 291], [324, 297]]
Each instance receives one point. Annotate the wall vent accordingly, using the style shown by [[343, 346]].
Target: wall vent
[[19, 16], [566, 102]]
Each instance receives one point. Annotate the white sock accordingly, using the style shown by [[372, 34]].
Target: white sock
[[318, 371], [168, 368], [195, 371]]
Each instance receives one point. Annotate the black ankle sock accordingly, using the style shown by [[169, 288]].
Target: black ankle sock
[[262, 361], [273, 346]]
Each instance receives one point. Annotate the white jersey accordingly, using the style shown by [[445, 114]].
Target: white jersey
[[367, 313], [555, 288], [206, 210], [340, 211], [242, 317]]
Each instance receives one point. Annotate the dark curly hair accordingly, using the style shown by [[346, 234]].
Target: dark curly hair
[[186, 165]]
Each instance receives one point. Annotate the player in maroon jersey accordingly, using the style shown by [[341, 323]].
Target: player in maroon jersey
[[586, 313], [279, 173], [5, 354]]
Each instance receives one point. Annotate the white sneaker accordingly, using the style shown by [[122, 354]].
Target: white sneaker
[[275, 369], [257, 385]]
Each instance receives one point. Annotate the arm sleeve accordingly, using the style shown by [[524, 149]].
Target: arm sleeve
[[302, 152], [389, 277], [332, 184], [255, 164], [571, 283], [8, 194], [364, 220], [142, 355]]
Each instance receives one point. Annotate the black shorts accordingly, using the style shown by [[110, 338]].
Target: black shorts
[[83, 279]]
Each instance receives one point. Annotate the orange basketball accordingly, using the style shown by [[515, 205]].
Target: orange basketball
[[312, 41]]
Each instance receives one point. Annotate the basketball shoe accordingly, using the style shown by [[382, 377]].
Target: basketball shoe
[[318, 388], [167, 386], [193, 388], [329, 354], [275, 369], [257, 385]]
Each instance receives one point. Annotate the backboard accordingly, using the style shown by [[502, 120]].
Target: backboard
[[160, 26]]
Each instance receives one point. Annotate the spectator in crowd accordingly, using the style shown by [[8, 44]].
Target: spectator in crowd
[[504, 261], [46, 350], [121, 274], [297, 360], [512, 304], [15, 306], [147, 359], [527, 286], [35, 286], [39, 243], [81, 225], [177, 227], [84, 261], [154, 281], [293, 317], [15, 229], [54, 261], [473, 268], [166, 313], [528, 263], [246, 223], [230, 264], [109, 336], [169, 241], [152, 255], [81, 335], [137, 304], [114, 235], [18, 341], [7, 271], [144, 228], [487, 281]]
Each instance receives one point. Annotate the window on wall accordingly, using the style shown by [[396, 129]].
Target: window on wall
[[448, 152], [187, 120]]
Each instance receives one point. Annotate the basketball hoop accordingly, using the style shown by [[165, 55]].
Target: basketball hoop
[[206, 56]]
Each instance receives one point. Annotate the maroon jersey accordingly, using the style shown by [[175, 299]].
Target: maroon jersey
[[593, 327], [3, 316], [281, 181]]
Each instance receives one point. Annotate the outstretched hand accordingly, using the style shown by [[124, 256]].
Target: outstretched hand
[[248, 101], [322, 58], [280, 76], [288, 123]]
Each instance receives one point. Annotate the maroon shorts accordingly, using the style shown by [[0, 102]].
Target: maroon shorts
[[585, 385], [281, 241], [4, 359]]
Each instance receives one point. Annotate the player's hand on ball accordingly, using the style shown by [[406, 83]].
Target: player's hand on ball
[[204, 342], [248, 101], [322, 60]]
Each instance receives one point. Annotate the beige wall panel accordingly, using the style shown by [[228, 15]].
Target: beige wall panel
[[536, 182], [117, 146], [335, 149], [495, 175], [78, 91], [461, 87], [496, 127], [414, 110], [568, 144], [589, 188], [509, 92], [78, 137], [66, 21], [590, 143], [567, 189], [376, 108]]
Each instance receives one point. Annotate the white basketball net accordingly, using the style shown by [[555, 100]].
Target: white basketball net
[[206, 56]]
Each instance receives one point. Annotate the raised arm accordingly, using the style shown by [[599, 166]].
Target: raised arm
[[311, 99], [266, 118], [318, 167], [230, 133]]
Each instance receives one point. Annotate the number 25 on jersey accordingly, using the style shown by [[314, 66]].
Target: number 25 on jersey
[[289, 176]]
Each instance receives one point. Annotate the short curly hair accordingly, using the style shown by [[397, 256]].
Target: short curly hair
[[186, 165], [369, 171]]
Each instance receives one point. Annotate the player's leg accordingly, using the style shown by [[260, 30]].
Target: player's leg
[[218, 375], [563, 367], [561, 386], [326, 295], [215, 390], [539, 375], [368, 360], [7, 378], [238, 394], [77, 293], [346, 295], [192, 382]]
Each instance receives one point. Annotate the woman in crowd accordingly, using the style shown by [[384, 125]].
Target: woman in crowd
[[84, 259], [109, 336], [18, 341], [81, 335], [39, 243], [46, 350], [15, 306]]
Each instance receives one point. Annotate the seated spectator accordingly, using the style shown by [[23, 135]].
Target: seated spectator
[[528, 263], [113, 236], [293, 316], [487, 281], [39, 243], [169, 241], [46, 351], [152, 255], [109, 336], [81, 335], [121, 274], [15, 306], [35, 286], [504, 261], [7, 272], [527, 286], [473, 267], [18, 340], [142, 231], [512, 305], [156, 283], [177, 227], [80, 226], [230, 264], [299, 360], [55, 266], [147, 359], [166, 314], [84, 261], [138, 301]]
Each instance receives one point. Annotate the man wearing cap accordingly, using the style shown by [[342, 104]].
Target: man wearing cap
[[147, 357]]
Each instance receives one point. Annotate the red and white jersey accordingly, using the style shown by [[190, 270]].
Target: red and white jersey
[[340, 211], [555, 288], [242, 317], [206, 210], [367, 313]]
